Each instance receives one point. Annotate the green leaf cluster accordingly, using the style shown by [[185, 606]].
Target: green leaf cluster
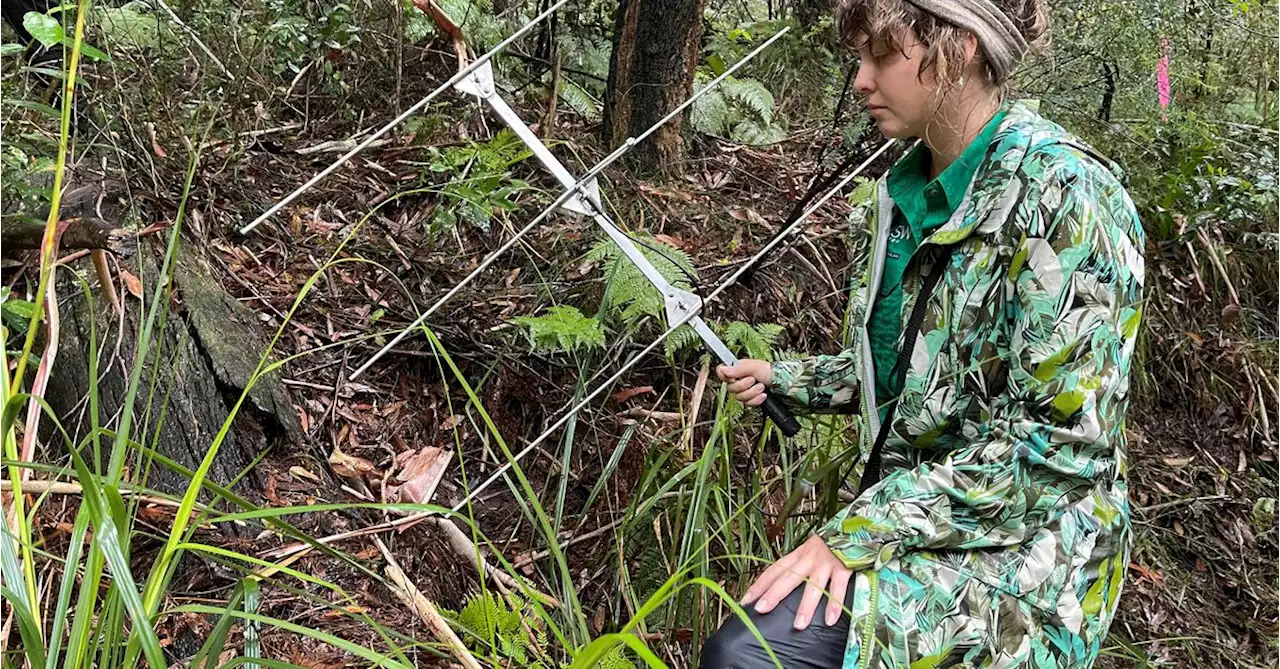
[[563, 328], [49, 31], [480, 185]]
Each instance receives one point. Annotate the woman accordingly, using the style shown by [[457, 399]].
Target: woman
[[993, 524]]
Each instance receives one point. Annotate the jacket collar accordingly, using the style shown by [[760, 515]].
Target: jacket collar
[[995, 190]]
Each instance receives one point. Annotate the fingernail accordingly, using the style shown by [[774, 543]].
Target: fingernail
[[746, 599], [762, 606], [832, 617], [801, 622]]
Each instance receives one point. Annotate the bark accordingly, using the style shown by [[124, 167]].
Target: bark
[[77, 233], [202, 357], [655, 53]]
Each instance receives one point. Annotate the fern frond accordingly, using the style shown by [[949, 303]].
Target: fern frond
[[710, 114], [752, 95], [580, 101], [757, 133], [563, 328], [752, 341], [683, 339], [628, 295]]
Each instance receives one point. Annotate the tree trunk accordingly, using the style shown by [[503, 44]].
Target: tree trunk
[[655, 53], [202, 355], [1110, 72]]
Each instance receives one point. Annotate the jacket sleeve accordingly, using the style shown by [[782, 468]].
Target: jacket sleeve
[[818, 384], [1072, 297]]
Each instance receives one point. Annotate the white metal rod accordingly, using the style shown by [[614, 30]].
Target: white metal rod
[[399, 119], [564, 197], [637, 357]]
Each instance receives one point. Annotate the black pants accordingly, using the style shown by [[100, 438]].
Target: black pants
[[818, 646]]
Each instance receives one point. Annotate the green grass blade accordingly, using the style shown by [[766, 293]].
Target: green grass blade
[[28, 628], [111, 545], [62, 608], [375, 658]]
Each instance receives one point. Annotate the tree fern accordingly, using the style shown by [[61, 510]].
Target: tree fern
[[740, 110]]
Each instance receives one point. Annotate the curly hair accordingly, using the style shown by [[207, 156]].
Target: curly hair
[[887, 21]]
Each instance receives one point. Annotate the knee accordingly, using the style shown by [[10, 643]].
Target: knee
[[723, 649]]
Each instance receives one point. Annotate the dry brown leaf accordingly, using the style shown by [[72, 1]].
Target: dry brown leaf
[[451, 422], [420, 473], [746, 214], [669, 240], [344, 464], [131, 283], [628, 393], [1177, 462]]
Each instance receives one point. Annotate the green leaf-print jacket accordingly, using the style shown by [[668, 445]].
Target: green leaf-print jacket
[[1006, 459]]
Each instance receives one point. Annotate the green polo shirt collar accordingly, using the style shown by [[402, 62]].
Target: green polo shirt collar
[[921, 205]]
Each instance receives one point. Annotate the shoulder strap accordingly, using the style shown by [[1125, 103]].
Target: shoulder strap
[[871, 473]]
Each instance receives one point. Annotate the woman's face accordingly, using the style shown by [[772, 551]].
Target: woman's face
[[900, 99]]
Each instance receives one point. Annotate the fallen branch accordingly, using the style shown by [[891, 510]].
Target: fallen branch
[[526, 560], [37, 487], [77, 233], [338, 146], [463, 546], [408, 593]]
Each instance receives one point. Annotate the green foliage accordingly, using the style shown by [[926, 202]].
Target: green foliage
[[628, 295], [306, 32], [132, 24], [579, 100], [16, 313], [486, 620], [563, 328], [480, 185], [740, 110], [744, 339], [21, 179], [49, 31]]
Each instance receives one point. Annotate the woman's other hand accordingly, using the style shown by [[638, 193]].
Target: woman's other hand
[[748, 380], [813, 564]]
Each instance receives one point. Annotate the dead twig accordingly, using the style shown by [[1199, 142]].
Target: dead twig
[[408, 593], [104, 278], [37, 487], [338, 146], [642, 413], [465, 548], [695, 405]]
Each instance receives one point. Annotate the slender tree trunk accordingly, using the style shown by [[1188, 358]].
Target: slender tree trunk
[[655, 53], [1110, 72]]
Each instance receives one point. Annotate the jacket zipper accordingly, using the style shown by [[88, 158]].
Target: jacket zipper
[[869, 623], [884, 213]]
